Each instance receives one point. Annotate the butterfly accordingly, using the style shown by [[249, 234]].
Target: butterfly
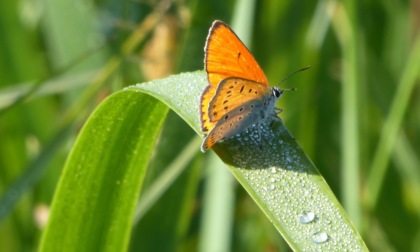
[[238, 95]]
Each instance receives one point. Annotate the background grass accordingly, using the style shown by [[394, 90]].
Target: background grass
[[356, 111]]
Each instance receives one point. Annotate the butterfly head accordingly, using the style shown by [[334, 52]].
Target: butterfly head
[[276, 92]]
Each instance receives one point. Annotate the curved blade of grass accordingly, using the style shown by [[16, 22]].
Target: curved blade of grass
[[273, 169], [94, 204], [393, 122]]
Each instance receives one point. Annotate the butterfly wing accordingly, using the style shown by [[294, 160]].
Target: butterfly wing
[[231, 93], [226, 56], [233, 123]]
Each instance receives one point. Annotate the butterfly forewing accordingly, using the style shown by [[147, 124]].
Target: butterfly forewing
[[225, 56], [232, 93]]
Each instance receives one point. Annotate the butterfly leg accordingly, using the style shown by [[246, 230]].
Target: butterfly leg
[[278, 110], [272, 119]]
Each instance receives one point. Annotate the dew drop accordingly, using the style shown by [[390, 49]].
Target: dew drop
[[319, 237], [271, 187], [306, 217]]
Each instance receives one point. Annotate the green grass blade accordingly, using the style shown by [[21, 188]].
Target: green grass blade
[[166, 179], [407, 163], [393, 123], [273, 169], [94, 204], [8, 96], [346, 32], [218, 207]]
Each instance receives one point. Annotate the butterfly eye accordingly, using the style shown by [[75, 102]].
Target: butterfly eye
[[277, 92]]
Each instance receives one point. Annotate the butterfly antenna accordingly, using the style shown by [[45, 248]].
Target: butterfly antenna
[[289, 89], [290, 75]]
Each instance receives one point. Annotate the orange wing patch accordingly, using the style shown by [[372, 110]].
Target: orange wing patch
[[206, 124], [225, 56]]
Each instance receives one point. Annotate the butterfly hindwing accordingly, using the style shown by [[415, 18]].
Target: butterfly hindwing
[[234, 122], [206, 97], [231, 93]]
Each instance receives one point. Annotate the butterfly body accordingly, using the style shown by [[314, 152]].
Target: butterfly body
[[238, 95]]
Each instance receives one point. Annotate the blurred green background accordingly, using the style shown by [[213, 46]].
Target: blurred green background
[[356, 113]]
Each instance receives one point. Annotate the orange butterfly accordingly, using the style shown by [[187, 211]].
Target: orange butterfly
[[238, 94]]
